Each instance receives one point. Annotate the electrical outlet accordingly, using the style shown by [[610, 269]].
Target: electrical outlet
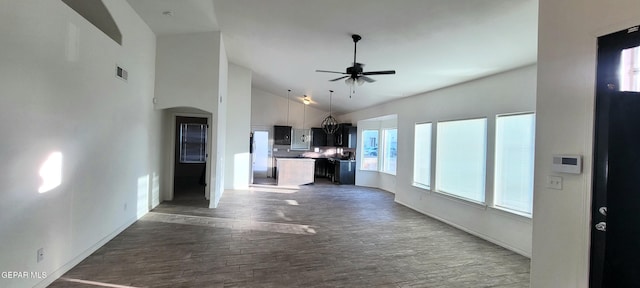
[[554, 182], [40, 256]]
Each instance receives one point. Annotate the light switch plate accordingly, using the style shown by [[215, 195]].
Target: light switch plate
[[554, 182]]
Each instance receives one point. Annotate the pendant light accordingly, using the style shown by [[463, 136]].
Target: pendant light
[[287, 137], [288, 96], [330, 124], [305, 101]]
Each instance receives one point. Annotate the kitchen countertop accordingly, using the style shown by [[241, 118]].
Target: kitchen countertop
[[342, 160]]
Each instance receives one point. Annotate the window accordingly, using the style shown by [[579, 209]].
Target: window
[[301, 139], [369, 150], [193, 143], [515, 137], [390, 147], [461, 158], [630, 70], [422, 156]]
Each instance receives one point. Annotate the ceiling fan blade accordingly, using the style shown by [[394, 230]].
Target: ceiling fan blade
[[325, 71], [365, 78], [339, 78], [379, 72]]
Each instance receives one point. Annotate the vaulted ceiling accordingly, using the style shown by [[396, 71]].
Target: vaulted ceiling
[[430, 43]]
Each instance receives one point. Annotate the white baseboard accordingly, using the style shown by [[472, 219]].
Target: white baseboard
[[66, 267], [465, 229]]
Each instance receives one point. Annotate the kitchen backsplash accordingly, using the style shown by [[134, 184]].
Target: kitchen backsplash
[[314, 152]]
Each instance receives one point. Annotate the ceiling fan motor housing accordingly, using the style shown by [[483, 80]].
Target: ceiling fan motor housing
[[355, 69], [355, 72]]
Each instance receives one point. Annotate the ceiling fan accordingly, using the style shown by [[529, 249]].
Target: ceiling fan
[[355, 74]]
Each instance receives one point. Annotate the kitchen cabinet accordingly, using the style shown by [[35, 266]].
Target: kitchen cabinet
[[295, 171], [321, 169], [350, 137], [331, 140], [318, 137], [345, 171], [338, 136], [346, 136], [281, 135]]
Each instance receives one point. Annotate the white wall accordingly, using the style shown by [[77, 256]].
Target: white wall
[[191, 76], [59, 93], [188, 71], [568, 32], [268, 109], [238, 165], [513, 91], [218, 151]]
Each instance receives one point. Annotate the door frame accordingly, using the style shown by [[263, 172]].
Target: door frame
[[172, 158], [269, 130]]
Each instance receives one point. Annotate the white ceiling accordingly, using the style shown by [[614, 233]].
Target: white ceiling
[[188, 16], [430, 43]]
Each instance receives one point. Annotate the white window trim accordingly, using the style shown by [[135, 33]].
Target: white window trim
[[382, 144], [455, 196], [361, 167], [493, 204], [431, 162]]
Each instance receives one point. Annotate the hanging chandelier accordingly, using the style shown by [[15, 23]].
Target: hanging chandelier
[[330, 124]]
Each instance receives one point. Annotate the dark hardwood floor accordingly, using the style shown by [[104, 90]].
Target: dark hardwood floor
[[321, 235]]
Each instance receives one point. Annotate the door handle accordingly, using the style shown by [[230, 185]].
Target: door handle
[[602, 226], [603, 210]]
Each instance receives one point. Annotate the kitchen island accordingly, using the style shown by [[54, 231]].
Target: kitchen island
[[295, 171]]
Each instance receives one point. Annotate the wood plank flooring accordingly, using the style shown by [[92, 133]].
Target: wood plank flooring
[[321, 235]]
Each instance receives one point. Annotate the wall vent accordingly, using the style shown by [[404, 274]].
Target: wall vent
[[121, 73]]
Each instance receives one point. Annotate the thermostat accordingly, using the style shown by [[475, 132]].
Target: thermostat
[[571, 164]]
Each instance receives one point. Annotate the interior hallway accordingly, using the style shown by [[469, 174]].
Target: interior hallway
[[321, 235]]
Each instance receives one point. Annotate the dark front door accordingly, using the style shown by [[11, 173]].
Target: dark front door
[[615, 237], [190, 158]]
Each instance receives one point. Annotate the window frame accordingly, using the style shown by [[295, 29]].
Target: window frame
[[185, 144], [383, 145], [428, 152], [495, 191], [362, 151], [438, 170]]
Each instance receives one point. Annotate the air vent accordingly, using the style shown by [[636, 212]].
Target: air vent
[[121, 73]]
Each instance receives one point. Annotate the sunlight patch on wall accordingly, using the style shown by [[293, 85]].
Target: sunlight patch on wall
[[51, 172], [241, 166], [143, 196], [155, 190]]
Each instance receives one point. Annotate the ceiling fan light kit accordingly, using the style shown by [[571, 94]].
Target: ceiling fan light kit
[[355, 74]]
